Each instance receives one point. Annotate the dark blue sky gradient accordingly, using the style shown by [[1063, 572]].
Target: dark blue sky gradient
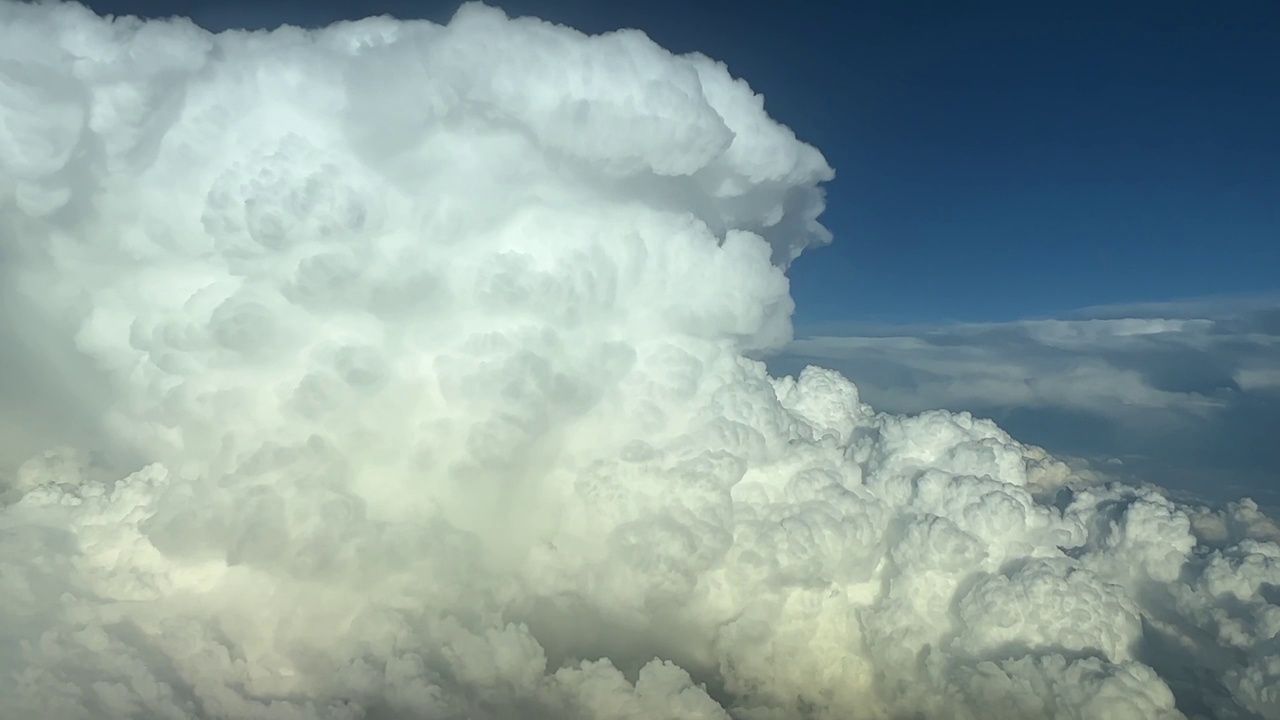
[[995, 160]]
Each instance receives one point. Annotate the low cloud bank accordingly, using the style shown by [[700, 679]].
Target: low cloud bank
[[1185, 395]]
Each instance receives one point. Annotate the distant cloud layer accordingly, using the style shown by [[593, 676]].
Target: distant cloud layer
[[1184, 394]]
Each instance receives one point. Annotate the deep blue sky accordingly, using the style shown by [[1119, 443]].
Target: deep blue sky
[[995, 160]]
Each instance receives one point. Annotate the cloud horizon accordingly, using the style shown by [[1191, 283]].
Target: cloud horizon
[[1181, 394]]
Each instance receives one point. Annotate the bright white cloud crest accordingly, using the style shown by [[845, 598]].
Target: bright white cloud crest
[[432, 342]]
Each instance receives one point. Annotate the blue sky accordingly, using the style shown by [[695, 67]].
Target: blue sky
[[1010, 177]]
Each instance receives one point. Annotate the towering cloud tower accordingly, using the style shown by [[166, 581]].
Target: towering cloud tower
[[406, 373]]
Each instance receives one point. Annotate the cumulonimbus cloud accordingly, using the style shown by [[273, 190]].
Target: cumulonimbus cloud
[[429, 345]]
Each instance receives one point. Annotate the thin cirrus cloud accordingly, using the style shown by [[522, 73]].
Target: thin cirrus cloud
[[1180, 393], [405, 372]]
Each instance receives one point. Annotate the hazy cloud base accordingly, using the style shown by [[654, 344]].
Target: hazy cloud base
[[405, 369]]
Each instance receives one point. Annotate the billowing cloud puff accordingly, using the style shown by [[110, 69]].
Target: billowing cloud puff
[[415, 363], [1183, 394]]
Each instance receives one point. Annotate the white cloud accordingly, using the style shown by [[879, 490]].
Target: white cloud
[[425, 347], [1183, 396], [1253, 379], [1091, 365]]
